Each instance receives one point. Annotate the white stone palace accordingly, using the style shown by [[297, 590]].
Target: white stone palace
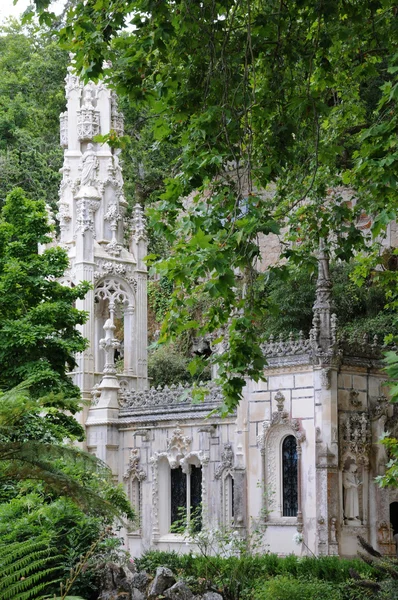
[[301, 453]]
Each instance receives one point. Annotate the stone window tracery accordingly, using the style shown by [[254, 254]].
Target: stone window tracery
[[115, 301]]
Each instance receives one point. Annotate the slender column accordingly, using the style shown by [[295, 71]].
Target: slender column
[[299, 488], [130, 359]]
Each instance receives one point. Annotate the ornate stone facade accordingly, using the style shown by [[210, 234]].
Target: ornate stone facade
[[316, 417]]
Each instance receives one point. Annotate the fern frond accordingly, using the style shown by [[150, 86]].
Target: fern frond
[[26, 588], [26, 569]]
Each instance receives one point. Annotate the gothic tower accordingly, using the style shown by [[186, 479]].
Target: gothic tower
[[106, 247]]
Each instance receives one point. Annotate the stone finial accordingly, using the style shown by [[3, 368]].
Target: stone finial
[[109, 344], [139, 223]]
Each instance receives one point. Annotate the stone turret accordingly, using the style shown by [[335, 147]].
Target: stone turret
[[107, 250]]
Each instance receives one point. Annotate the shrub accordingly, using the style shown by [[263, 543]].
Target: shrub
[[257, 577], [166, 366], [284, 587]]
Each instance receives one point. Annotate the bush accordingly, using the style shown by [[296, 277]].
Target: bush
[[166, 366], [284, 587]]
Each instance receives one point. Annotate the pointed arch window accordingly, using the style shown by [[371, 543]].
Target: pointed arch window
[[290, 476]]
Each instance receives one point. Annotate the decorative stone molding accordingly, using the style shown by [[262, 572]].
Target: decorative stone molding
[[177, 455], [72, 81], [95, 394], [333, 531], [133, 470], [88, 168], [227, 461], [269, 441], [286, 347], [177, 447], [109, 267], [114, 248], [380, 408]]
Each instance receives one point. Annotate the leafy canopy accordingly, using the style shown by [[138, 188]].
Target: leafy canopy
[[274, 106]]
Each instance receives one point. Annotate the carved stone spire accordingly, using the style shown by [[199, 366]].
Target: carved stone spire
[[321, 333]]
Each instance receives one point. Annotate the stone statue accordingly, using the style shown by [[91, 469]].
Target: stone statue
[[89, 166], [351, 499]]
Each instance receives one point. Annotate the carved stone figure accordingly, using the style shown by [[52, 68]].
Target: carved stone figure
[[89, 166], [351, 498]]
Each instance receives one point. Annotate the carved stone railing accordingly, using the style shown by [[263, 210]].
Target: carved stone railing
[[286, 347], [298, 350], [364, 346], [166, 397]]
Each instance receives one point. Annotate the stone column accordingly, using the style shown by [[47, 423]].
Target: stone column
[[87, 203], [326, 364], [103, 416]]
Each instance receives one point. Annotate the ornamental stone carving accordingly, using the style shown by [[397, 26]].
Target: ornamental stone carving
[[95, 394], [88, 118], [116, 292], [227, 461], [72, 81], [85, 209], [109, 344], [355, 436], [138, 223], [351, 485], [286, 347], [173, 396], [133, 470], [380, 408], [89, 167], [177, 447], [117, 119], [354, 398], [108, 267], [63, 129]]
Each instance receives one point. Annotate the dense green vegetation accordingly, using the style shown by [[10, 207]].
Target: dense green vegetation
[[267, 576], [32, 67], [55, 500]]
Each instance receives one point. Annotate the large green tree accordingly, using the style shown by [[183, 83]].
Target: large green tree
[[295, 98], [32, 68], [38, 320]]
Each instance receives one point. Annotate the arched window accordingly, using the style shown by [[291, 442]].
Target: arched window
[[289, 476], [186, 495]]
